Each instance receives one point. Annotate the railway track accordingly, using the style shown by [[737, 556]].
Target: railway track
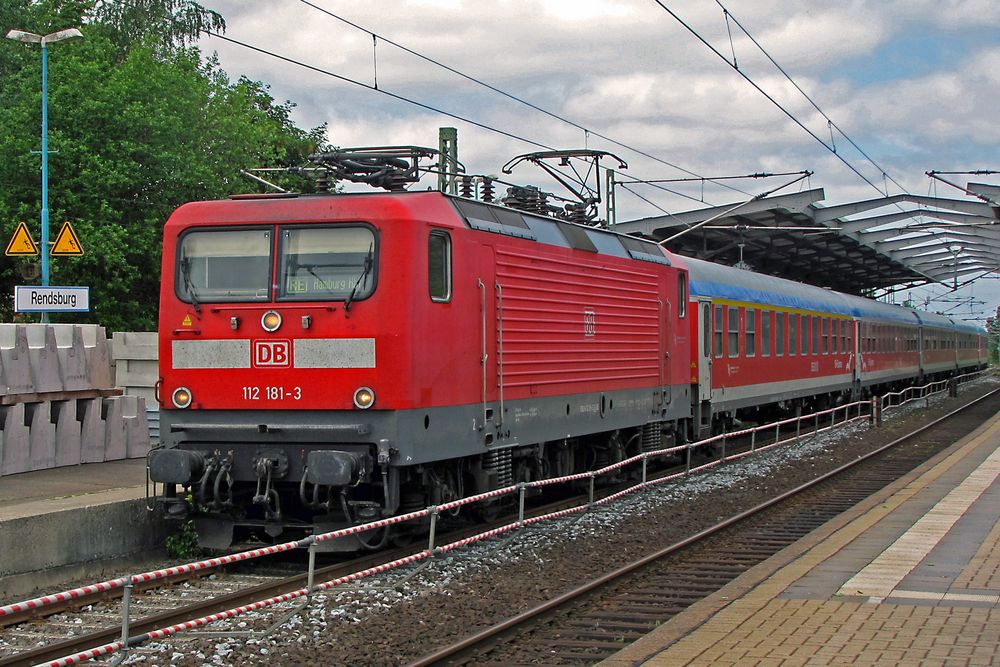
[[597, 619], [65, 628]]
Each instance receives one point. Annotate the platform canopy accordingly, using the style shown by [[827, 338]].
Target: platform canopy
[[870, 247]]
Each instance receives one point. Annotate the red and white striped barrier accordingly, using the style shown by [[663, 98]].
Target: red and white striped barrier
[[45, 600], [163, 633]]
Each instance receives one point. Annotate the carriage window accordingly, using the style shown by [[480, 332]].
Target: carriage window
[[751, 327], [439, 266], [805, 334], [815, 330], [793, 334], [734, 331], [825, 323], [224, 265], [765, 333], [718, 331], [779, 333], [326, 263]]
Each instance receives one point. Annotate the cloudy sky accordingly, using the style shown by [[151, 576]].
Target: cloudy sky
[[915, 84]]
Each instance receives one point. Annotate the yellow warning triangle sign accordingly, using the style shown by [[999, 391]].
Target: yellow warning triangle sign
[[67, 243], [21, 244]]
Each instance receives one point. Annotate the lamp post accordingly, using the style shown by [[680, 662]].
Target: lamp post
[[955, 251], [44, 41]]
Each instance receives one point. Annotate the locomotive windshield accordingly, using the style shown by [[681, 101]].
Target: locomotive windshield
[[314, 264], [324, 263], [224, 265]]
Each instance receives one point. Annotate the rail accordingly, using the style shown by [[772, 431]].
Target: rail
[[793, 429]]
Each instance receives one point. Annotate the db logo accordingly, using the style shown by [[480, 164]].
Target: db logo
[[272, 353]]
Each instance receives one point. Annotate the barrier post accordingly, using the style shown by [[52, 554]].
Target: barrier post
[[521, 488], [126, 608], [753, 440], [645, 458], [311, 578], [777, 433], [871, 412], [434, 518], [723, 446], [687, 467], [953, 387], [798, 429], [590, 502]]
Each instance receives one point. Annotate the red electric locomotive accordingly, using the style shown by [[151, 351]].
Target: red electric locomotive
[[331, 359]]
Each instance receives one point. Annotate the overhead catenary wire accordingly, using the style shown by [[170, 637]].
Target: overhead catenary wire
[[769, 97], [587, 131], [422, 105], [830, 123]]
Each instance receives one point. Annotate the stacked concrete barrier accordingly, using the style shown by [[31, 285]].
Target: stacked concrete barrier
[[134, 358], [58, 402]]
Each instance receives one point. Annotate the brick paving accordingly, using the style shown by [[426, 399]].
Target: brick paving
[[909, 577]]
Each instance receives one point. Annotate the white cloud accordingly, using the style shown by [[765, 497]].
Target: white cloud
[[629, 71]]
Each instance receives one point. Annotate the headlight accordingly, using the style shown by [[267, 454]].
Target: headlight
[[270, 320], [182, 397], [364, 398]]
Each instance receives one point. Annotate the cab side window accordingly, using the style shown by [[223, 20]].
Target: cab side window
[[439, 266]]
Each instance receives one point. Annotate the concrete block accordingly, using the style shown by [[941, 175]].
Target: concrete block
[[44, 356], [136, 427], [41, 435], [92, 431], [73, 361], [65, 414], [99, 364], [15, 359], [114, 429], [14, 434]]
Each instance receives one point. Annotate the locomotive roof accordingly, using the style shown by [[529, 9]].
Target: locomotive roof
[[288, 207], [553, 231]]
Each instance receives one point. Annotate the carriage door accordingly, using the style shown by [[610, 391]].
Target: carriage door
[[705, 351]]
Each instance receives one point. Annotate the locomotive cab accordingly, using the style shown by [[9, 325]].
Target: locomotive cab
[[275, 409]]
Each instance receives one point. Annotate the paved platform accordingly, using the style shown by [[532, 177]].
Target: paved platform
[[910, 576], [72, 521]]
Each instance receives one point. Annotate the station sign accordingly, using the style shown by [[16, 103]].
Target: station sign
[[32, 299]]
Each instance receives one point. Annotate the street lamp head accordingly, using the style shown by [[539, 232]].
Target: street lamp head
[[955, 249], [21, 36], [62, 35], [32, 38]]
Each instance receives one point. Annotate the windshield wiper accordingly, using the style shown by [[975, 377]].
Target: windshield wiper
[[369, 260], [310, 269], [189, 284]]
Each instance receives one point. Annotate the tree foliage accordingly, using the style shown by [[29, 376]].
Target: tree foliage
[[139, 123]]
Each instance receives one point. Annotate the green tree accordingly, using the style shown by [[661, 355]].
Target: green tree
[[139, 123]]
